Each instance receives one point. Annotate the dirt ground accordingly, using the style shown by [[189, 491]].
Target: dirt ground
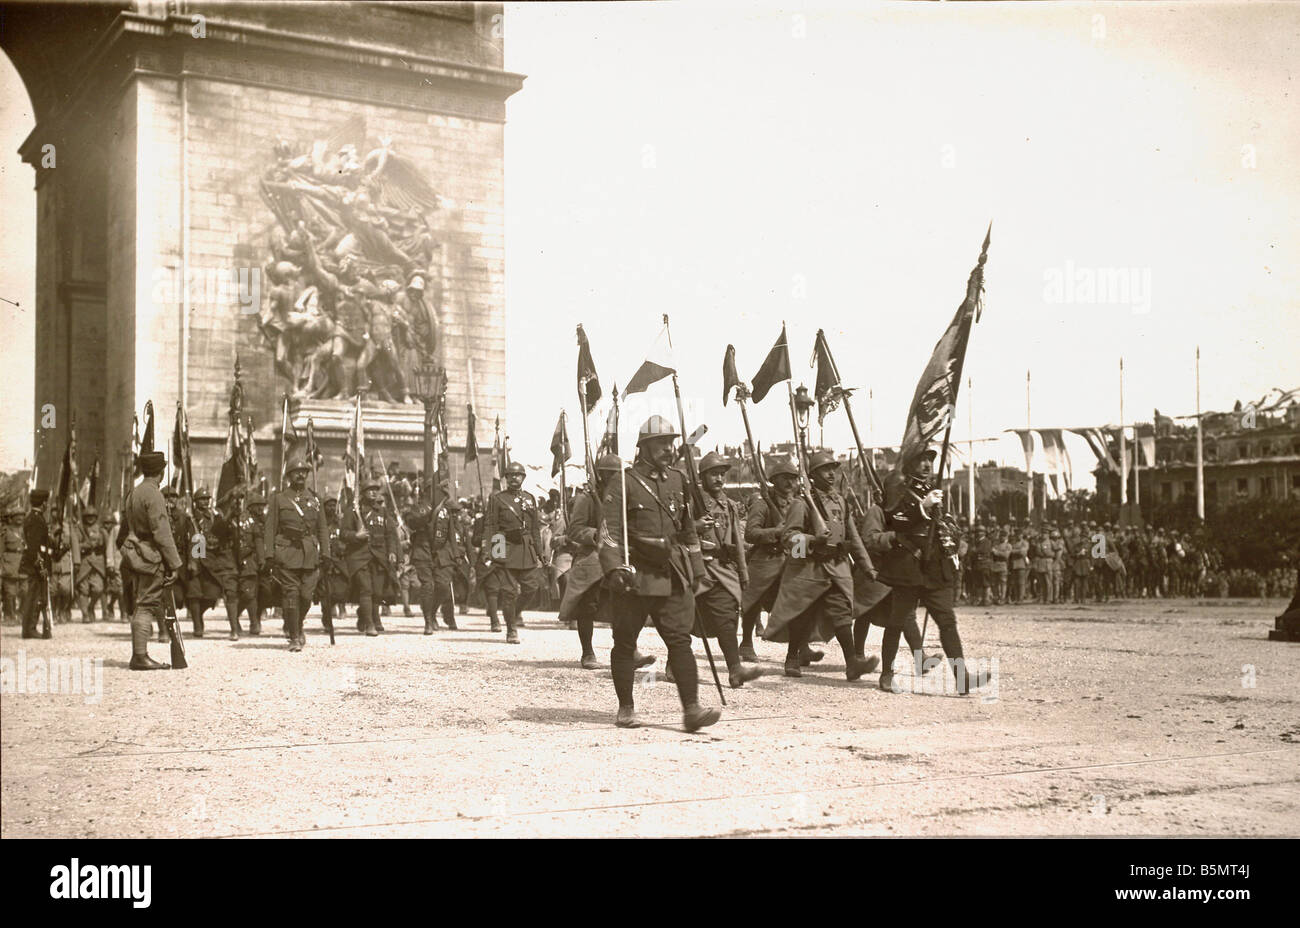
[[1137, 718]]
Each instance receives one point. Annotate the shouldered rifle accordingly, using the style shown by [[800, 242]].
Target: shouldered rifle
[[174, 633]]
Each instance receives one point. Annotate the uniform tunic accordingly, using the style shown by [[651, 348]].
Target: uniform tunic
[[293, 537], [719, 592], [582, 537], [148, 550], [763, 524], [512, 525]]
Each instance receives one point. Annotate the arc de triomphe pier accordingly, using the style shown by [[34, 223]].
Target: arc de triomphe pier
[[316, 188]]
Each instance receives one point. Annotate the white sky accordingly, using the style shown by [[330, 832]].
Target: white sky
[[709, 160]]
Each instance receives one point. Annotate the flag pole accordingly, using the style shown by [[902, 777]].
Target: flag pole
[[1029, 436], [760, 473], [970, 468], [1200, 454], [1123, 448]]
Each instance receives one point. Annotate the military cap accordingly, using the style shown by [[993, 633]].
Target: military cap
[[38, 497], [89, 515], [656, 427], [151, 462], [781, 469], [919, 456], [713, 461], [609, 462], [169, 493], [257, 499], [514, 467], [202, 493], [820, 459]]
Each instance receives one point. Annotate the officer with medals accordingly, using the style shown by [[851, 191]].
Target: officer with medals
[[513, 542], [149, 556], [816, 595], [916, 570], [719, 592], [370, 555], [292, 540], [657, 577]]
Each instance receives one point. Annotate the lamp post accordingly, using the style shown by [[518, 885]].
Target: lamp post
[[803, 404], [426, 378]]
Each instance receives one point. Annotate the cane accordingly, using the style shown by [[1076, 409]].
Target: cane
[[709, 654]]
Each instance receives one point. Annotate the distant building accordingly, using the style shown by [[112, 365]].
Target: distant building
[[1247, 456]]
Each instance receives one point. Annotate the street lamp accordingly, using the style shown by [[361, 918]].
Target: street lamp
[[803, 404], [427, 377]]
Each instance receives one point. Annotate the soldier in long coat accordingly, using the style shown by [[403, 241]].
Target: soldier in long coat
[[92, 573], [292, 540], [763, 523], [439, 552], [875, 609], [656, 576], [37, 563], [512, 545], [251, 558], [215, 576], [816, 594], [149, 557], [371, 549], [719, 592], [919, 565]]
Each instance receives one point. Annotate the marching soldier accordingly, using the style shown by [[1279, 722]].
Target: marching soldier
[[719, 592], [584, 591], [816, 595], [93, 572], [333, 585], [251, 557], [876, 609], [113, 580], [61, 591], [513, 543], [36, 565], [763, 523], [292, 541], [370, 555], [214, 577], [11, 558], [439, 552], [149, 556], [658, 576], [920, 572]]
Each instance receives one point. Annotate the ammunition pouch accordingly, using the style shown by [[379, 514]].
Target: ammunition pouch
[[654, 551]]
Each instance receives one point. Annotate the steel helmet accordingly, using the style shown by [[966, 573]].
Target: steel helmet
[[656, 427], [514, 467]]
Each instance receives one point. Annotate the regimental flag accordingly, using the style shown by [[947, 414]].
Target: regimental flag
[[828, 391], [588, 383], [560, 451], [498, 456], [471, 442], [181, 443], [90, 487], [314, 458], [250, 451], [657, 365], [609, 440], [730, 378], [935, 398], [234, 468], [288, 436], [67, 504], [1146, 440], [146, 441], [354, 457], [776, 368]]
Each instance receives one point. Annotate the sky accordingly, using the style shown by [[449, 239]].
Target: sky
[[740, 165]]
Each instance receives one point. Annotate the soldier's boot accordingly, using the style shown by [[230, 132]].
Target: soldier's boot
[[809, 655], [748, 654], [141, 628], [640, 660], [493, 599], [232, 617], [430, 624], [292, 626], [738, 674], [695, 717], [627, 718], [589, 661], [196, 617], [854, 666], [449, 614], [255, 622], [887, 681], [967, 681], [369, 619], [383, 610], [375, 612]]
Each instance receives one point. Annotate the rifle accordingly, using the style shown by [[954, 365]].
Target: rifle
[[47, 630], [819, 528], [173, 626]]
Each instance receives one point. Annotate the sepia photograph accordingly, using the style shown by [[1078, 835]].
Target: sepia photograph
[[612, 420]]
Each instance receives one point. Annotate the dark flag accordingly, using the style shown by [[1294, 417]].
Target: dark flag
[[471, 442], [828, 390], [657, 365], [776, 368], [234, 469], [936, 392], [609, 440], [498, 456], [90, 490], [288, 436], [588, 383], [730, 379], [146, 442], [560, 451], [182, 467]]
